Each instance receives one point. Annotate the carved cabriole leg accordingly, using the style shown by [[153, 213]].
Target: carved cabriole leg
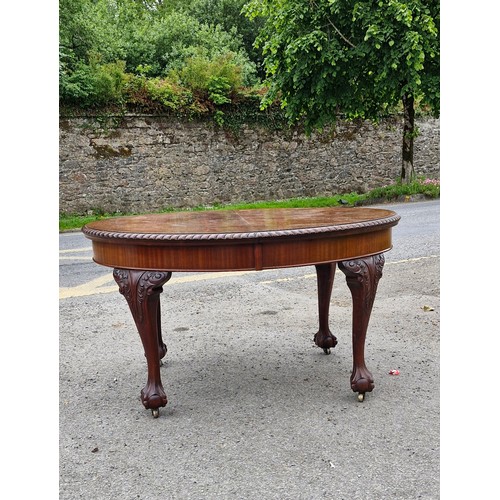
[[142, 290], [362, 276], [325, 274]]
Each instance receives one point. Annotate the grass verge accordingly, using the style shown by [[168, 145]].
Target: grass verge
[[428, 188]]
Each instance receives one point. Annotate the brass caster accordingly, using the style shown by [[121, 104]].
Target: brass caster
[[326, 350], [155, 412], [361, 397]]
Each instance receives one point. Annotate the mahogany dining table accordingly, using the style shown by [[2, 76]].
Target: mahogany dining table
[[145, 250]]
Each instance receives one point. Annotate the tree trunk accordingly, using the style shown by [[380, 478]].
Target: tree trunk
[[407, 169]]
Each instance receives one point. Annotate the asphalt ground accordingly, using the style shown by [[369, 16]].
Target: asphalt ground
[[255, 409]]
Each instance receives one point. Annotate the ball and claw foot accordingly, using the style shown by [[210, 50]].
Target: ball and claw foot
[[155, 412], [325, 340]]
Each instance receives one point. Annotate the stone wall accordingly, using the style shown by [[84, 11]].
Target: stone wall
[[148, 163]]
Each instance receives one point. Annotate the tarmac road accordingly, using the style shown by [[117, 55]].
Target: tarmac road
[[255, 409]]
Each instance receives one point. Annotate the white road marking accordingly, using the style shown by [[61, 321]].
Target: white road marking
[[73, 250], [75, 258]]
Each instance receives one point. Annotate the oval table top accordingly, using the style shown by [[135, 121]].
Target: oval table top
[[240, 239]]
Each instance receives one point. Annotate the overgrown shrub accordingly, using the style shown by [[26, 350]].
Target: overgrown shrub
[[213, 79], [93, 84], [94, 34], [168, 93]]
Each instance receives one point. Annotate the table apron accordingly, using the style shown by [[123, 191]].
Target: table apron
[[239, 255]]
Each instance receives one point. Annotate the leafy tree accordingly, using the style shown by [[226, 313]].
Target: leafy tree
[[362, 58], [229, 15], [91, 26], [151, 33], [176, 37], [102, 39]]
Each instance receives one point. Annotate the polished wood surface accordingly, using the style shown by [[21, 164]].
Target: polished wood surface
[[225, 240], [145, 250], [240, 223]]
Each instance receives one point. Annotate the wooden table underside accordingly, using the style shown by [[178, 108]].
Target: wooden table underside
[[145, 250]]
